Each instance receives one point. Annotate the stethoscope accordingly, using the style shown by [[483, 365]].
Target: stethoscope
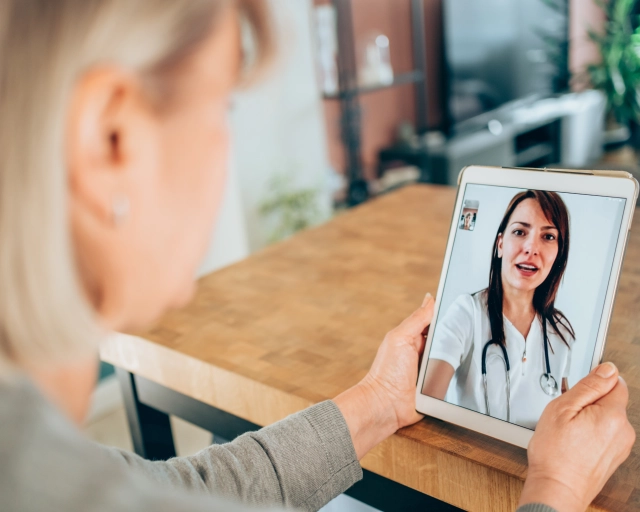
[[547, 382]]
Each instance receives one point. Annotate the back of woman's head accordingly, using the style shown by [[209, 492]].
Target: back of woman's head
[[45, 46]]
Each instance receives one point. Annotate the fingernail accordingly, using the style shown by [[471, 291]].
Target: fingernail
[[606, 370], [426, 299]]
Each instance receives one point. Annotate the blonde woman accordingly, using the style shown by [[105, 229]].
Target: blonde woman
[[113, 147]]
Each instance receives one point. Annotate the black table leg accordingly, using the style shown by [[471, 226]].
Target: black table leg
[[150, 428], [384, 494]]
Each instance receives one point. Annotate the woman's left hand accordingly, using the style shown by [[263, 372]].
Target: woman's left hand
[[384, 400]]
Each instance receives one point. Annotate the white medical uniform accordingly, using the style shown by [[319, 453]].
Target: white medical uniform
[[459, 339]]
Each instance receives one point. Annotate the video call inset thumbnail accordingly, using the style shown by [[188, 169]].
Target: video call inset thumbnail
[[469, 215]]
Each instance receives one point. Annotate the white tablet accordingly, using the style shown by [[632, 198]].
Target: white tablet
[[525, 296]]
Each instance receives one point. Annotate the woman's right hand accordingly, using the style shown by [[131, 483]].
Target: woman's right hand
[[581, 439]]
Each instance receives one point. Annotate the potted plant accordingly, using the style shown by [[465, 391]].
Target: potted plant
[[617, 75], [289, 209]]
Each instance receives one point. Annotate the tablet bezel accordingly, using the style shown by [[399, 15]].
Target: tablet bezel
[[598, 183]]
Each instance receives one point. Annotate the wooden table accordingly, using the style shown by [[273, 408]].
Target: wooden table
[[300, 321]]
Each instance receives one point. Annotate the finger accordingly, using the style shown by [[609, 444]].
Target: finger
[[417, 322], [422, 342], [618, 397], [593, 387]]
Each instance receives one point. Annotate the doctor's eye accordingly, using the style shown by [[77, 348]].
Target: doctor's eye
[[550, 237], [518, 232]]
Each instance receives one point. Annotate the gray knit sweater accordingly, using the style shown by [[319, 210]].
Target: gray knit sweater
[[301, 462]]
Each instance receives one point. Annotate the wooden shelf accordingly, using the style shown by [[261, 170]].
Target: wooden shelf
[[409, 77]]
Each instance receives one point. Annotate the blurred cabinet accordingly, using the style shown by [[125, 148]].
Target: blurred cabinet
[[480, 148], [563, 131]]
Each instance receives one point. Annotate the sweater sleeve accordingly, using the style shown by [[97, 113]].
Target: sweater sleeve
[[301, 462], [535, 507]]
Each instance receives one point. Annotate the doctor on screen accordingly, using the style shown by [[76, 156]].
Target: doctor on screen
[[506, 350]]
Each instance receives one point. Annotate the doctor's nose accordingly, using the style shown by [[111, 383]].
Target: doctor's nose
[[531, 246]]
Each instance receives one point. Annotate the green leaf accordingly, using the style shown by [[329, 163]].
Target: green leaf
[[618, 74], [290, 209]]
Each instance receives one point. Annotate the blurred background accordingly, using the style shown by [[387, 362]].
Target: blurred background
[[371, 95]]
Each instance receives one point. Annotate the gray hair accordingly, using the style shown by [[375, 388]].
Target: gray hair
[[45, 46]]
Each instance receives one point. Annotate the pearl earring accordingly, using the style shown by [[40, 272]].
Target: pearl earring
[[119, 210]]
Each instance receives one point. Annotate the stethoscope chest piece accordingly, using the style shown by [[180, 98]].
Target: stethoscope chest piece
[[549, 384]]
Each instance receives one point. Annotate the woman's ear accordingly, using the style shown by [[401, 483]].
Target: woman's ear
[[499, 245], [107, 113]]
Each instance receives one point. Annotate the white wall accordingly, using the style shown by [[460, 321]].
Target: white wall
[[594, 227], [229, 242], [278, 124]]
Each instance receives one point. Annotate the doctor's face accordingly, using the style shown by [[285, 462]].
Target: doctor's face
[[528, 247]]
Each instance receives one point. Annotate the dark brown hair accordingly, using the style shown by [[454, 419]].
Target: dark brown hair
[[545, 295]]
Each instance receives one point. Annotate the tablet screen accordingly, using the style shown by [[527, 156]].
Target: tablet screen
[[523, 299]]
